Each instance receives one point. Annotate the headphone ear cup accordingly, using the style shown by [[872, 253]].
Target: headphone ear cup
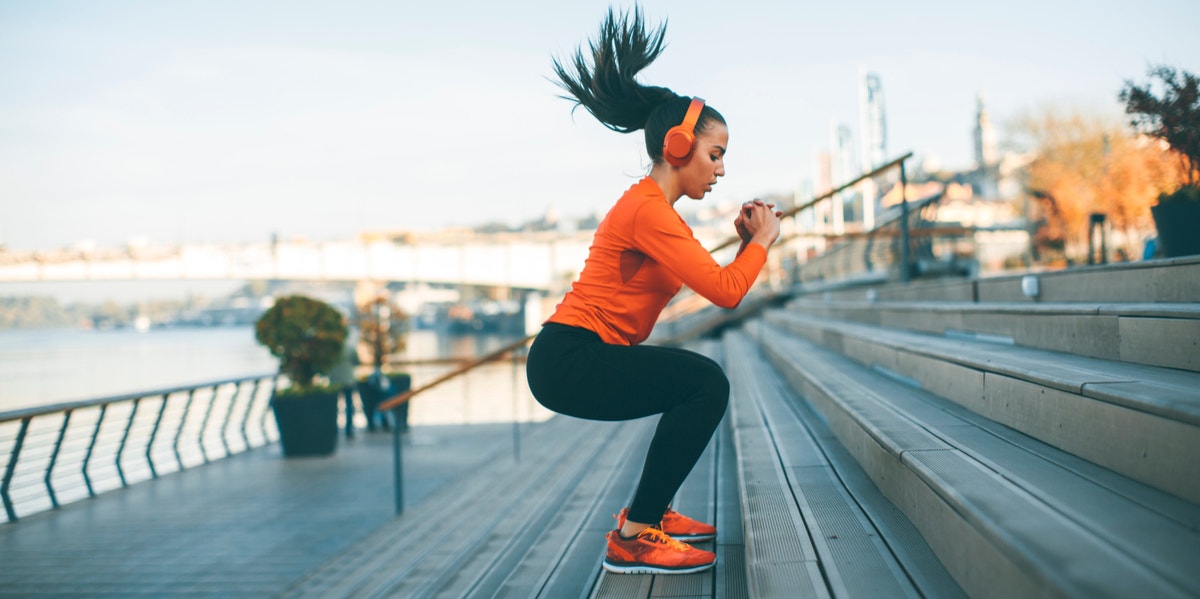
[[678, 144]]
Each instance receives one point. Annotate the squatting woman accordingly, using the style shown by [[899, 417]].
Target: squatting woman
[[588, 361]]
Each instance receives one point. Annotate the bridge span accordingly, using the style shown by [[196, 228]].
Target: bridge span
[[543, 261]]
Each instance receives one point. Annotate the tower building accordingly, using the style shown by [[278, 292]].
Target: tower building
[[872, 122], [873, 149]]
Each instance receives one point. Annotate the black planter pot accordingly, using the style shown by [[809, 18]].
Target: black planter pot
[[1178, 226], [372, 396], [307, 423]]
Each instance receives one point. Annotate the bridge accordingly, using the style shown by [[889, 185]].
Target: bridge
[[539, 261]]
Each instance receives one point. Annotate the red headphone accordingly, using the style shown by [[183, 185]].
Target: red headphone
[[678, 143]]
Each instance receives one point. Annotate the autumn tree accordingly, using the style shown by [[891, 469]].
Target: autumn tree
[[1086, 164]]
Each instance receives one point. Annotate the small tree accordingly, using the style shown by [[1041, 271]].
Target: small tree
[[382, 326], [307, 335], [1173, 117]]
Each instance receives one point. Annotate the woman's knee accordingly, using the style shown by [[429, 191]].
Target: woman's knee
[[715, 386]]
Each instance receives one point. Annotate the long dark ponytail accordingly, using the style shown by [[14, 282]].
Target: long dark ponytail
[[608, 88]]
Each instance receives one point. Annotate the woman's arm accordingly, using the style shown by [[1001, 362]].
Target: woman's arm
[[661, 234]]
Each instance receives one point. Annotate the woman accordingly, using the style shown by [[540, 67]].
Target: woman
[[587, 362]]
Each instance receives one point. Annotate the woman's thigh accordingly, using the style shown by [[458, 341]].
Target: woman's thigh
[[595, 380]]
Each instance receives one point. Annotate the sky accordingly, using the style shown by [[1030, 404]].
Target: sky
[[235, 120]]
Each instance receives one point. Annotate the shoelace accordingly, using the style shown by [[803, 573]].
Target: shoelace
[[659, 536]]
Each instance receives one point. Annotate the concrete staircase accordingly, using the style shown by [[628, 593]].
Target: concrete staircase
[[1040, 448], [943, 439]]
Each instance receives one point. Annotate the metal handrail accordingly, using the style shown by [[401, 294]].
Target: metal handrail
[[793, 211], [679, 308], [70, 451]]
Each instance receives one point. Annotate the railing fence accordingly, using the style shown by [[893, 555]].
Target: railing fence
[[63, 453]]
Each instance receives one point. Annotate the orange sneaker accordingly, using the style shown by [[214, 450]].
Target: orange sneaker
[[653, 552], [678, 526]]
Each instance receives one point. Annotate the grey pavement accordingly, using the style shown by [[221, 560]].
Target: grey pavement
[[249, 525]]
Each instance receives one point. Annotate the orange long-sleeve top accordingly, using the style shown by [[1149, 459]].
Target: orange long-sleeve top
[[641, 255]]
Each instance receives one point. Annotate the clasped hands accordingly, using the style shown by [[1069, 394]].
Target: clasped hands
[[758, 221]]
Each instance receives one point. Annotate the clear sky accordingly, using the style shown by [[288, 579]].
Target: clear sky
[[230, 120]]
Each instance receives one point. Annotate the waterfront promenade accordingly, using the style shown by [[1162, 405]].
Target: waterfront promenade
[[250, 525], [945, 438]]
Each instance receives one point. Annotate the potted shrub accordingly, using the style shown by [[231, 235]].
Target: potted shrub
[[308, 336], [382, 326], [1174, 118]]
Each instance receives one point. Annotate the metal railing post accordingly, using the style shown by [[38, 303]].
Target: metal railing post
[[905, 268], [228, 419], [12, 467], [204, 423], [187, 409], [249, 408], [398, 468], [267, 411], [124, 439], [62, 433], [154, 435], [87, 479], [516, 421]]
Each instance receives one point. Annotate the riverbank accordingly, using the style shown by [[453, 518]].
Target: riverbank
[[49, 366]]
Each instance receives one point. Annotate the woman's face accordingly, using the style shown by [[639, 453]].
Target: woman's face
[[707, 163]]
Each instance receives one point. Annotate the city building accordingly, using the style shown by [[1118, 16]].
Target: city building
[[872, 122], [844, 168], [873, 132], [987, 155]]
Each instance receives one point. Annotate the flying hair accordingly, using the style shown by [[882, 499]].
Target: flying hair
[[607, 87]]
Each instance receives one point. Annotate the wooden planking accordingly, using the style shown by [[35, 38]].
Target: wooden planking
[[780, 558], [577, 569], [390, 558], [565, 526], [854, 559]]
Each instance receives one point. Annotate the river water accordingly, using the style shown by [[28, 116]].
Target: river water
[[45, 367]]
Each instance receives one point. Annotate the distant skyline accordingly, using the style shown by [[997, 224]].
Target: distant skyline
[[224, 121]]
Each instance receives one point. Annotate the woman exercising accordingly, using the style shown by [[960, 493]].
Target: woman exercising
[[587, 362]]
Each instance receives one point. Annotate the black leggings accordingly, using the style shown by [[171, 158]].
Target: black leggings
[[572, 371]]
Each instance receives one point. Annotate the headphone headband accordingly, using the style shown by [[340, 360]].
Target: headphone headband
[[693, 114]]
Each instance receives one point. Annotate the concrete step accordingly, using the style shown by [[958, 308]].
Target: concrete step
[[1157, 334], [812, 528], [1154, 281], [1007, 515], [1141, 421]]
